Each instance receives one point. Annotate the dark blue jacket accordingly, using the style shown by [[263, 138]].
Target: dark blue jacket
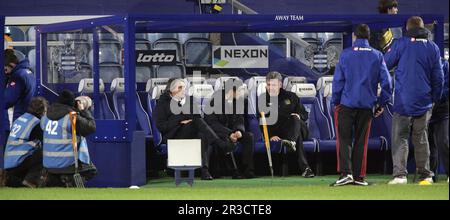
[[445, 89], [356, 78], [418, 77], [441, 109], [20, 88]]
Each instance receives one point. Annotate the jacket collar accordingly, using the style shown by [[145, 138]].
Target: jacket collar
[[361, 43]]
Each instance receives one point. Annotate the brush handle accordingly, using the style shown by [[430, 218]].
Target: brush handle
[[73, 121]]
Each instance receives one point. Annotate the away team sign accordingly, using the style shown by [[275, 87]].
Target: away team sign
[[240, 57]]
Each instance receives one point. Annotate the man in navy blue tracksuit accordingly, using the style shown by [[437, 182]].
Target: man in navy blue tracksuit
[[418, 84], [355, 83], [438, 130], [19, 89]]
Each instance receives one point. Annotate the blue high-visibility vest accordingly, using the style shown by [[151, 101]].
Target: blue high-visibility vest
[[57, 146], [19, 146]]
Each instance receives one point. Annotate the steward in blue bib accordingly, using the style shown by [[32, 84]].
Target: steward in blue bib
[[23, 152], [58, 156]]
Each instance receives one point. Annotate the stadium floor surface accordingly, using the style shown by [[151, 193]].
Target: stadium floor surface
[[262, 188]]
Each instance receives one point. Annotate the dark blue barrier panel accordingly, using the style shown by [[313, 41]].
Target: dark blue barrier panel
[[119, 164]]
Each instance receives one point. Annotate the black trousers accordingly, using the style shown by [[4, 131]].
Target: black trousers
[[3, 142], [29, 170], [352, 132], [248, 148], [438, 138], [198, 128], [291, 129]]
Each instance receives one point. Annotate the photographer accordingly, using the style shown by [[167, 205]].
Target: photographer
[[57, 147]]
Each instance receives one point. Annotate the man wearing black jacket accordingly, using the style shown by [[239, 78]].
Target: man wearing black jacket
[[290, 127], [226, 118], [178, 118]]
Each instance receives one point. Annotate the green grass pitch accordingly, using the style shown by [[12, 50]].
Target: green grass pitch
[[263, 188]]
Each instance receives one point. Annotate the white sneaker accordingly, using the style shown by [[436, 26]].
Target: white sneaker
[[398, 180]]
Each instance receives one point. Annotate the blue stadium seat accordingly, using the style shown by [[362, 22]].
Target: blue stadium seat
[[328, 107], [16, 33], [152, 37], [170, 71], [141, 37], [143, 74], [317, 122], [198, 52], [152, 100], [77, 75], [254, 81], [86, 87], [109, 53], [169, 44], [190, 81], [143, 45], [211, 81], [183, 37], [31, 34], [202, 94], [32, 59], [152, 83], [219, 82], [108, 72], [289, 81], [119, 99], [322, 82]]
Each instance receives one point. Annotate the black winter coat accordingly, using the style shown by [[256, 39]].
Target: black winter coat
[[225, 124], [166, 121]]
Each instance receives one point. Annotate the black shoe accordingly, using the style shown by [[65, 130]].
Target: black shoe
[[308, 173], [236, 175], [206, 175], [343, 180], [249, 175], [290, 145], [360, 181]]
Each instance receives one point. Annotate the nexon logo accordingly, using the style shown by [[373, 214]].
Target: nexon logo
[[240, 56], [245, 53], [155, 57]]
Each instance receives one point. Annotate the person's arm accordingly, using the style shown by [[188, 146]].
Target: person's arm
[[437, 77], [392, 56], [385, 82], [13, 92], [300, 109], [213, 119], [37, 133], [221, 130], [85, 123], [163, 122], [338, 82]]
